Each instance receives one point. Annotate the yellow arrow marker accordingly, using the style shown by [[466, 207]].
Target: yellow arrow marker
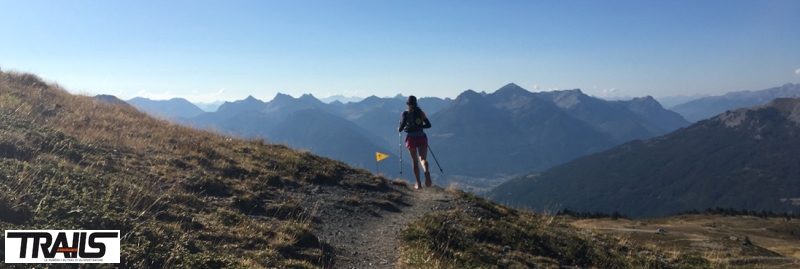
[[380, 156]]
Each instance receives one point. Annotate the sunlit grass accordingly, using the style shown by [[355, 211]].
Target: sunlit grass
[[182, 197]]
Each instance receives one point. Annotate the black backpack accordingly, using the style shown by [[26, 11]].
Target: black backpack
[[414, 120]]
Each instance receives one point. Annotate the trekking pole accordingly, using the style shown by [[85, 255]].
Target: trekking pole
[[434, 158], [400, 145]]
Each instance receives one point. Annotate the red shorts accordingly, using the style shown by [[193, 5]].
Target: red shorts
[[415, 142]]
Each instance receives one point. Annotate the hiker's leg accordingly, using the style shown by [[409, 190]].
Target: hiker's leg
[[423, 155], [413, 152]]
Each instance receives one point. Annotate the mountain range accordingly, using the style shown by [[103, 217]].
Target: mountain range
[[481, 139], [341, 99], [707, 107], [366, 126], [175, 107], [742, 159], [513, 130], [303, 123]]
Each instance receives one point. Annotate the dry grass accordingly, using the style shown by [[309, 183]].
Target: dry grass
[[495, 236], [719, 240], [182, 197], [401, 183], [490, 235]]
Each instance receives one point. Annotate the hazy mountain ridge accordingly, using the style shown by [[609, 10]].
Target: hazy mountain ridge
[[518, 130], [649, 109], [176, 107], [381, 116], [332, 136], [737, 159], [296, 122], [524, 131], [238, 106], [708, 107], [209, 107], [671, 101], [607, 117], [341, 99]]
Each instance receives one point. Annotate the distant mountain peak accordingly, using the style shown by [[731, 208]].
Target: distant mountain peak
[[307, 96], [567, 98], [282, 97], [647, 101], [109, 99], [468, 93], [574, 91], [512, 88], [567, 93], [371, 99], [175, 107], [250, 100]]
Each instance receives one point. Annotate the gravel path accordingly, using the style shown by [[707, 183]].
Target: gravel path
[[368, 235]]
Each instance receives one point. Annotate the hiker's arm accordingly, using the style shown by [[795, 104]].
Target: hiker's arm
[[426, 124], [402, 122]]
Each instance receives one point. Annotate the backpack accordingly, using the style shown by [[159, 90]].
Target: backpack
[[414, 120]]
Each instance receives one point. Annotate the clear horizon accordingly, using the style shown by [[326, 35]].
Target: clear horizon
[[207, 51]]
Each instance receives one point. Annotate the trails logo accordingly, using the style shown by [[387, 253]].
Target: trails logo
[[62, 246]]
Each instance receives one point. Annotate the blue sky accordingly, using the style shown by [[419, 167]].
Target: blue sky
[[226, 50]]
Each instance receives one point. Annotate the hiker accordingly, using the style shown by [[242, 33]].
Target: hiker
[[413, 121]]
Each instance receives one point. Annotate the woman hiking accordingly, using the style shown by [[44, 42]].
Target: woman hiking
[[413, 121]]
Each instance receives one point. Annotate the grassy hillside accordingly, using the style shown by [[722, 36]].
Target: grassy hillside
[[181, 197]]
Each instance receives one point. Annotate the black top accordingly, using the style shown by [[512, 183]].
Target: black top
[[407, 121]]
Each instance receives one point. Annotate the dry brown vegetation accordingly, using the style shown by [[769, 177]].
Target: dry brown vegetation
[[489, 235], [720, 240], [182, 197]]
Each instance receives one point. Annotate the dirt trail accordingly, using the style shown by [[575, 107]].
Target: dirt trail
[[368, 236]]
